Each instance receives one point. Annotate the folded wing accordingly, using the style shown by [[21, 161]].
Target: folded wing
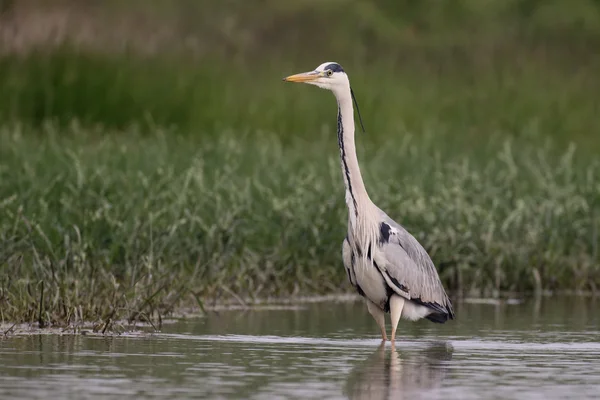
[[409, 271]]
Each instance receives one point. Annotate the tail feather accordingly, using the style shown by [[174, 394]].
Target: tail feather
[[439, 318], [440, 313]]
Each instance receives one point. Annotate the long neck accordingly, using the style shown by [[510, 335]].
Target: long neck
[[357, 198]]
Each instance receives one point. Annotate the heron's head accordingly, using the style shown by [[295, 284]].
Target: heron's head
[[329, 75]]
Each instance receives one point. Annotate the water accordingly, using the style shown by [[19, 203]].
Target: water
[[544, 349]]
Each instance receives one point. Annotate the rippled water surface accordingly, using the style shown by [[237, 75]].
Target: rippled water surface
[[544, 349]]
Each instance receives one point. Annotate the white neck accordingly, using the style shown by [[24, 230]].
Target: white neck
[[357, 198]]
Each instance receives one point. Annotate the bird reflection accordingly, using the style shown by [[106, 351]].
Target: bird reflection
[[389, 375]]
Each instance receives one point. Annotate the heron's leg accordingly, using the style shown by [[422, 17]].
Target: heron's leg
[[379, 317], [396, 306]]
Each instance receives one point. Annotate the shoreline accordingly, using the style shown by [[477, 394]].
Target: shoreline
[[124, 328]]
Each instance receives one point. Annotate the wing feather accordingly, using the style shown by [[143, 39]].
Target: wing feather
[[409, 270]]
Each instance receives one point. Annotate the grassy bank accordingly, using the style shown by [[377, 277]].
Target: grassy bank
[[131, 223]]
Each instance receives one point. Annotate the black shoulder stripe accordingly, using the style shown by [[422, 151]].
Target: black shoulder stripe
[[384, 230]]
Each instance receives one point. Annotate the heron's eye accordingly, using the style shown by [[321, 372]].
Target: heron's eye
[[329, 72]]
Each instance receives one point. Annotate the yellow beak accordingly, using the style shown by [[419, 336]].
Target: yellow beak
[[303, 77]]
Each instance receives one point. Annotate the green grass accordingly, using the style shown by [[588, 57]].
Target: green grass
[[205, 98], [128, 223]]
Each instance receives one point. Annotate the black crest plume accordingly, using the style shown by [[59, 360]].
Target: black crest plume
[[357, 110]]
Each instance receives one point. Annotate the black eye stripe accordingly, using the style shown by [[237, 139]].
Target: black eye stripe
[[334, 67]]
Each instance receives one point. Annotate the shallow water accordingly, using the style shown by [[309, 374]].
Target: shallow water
[[544, 349]]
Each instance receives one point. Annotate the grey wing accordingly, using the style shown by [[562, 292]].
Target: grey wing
[[408, 269]]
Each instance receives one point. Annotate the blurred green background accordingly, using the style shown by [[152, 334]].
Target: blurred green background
[[152, 157], [485, 66]]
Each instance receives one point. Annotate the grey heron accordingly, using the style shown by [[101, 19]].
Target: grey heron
[[384, 262]]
